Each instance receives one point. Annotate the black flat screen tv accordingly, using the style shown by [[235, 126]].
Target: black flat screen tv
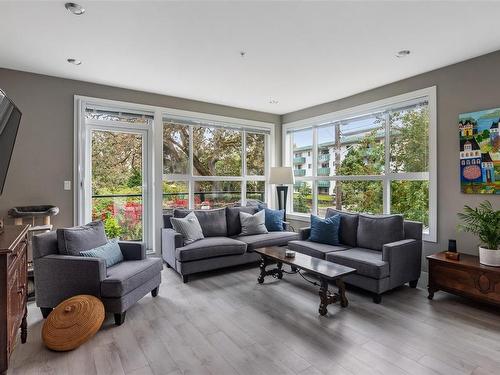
[[10, 116]]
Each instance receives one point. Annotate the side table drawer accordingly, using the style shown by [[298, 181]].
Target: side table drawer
[[474, 283]]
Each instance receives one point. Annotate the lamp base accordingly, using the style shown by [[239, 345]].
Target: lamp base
[[282, 196]]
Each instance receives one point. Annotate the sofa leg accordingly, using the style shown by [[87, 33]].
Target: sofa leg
[[377, 298], [154, 292], [120, 318], [45, 311], [185, 279], [413, 283]]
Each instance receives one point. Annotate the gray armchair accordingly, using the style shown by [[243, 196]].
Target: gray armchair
[[58, 277]]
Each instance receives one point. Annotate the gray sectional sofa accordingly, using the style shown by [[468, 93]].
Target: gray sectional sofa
[[223, 246], [385, 250]]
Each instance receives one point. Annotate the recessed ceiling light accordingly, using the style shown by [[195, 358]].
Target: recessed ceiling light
[[75, 8], [403, 53], [74, 61], [273, 101]]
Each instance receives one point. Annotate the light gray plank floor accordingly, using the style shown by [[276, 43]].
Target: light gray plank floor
[[225, 323]]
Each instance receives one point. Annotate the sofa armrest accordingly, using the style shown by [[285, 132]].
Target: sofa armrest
[[405, 260], [304, 233], [58, 277], [132, 250], [170, 240]]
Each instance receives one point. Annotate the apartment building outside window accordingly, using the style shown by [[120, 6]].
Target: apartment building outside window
[[376, 158]]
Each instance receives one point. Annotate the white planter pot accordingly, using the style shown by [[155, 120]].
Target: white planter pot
[[489, 257]]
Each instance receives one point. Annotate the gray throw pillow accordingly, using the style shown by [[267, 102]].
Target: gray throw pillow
[[253, 224], [70, 241], [189, 227], [233, 219]]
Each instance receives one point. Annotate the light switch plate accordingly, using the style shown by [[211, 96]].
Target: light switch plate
[[67, 185]]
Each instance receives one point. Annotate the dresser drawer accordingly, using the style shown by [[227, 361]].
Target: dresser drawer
[[475, 283], [16, 253]]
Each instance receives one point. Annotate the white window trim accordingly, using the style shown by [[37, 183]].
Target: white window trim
[[155, 156], [316, 121]]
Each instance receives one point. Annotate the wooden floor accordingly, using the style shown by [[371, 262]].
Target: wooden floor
[[226, 323]]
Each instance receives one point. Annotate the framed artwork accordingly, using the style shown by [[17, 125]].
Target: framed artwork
[[479, 152]]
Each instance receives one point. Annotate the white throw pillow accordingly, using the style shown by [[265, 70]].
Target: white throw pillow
[[189, 227], [253, 224]]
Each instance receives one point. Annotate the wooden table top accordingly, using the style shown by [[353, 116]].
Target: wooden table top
[[11, 236], [306, 262], [466, 260]]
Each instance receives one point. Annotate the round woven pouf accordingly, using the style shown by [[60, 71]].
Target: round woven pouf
[[73, 322]]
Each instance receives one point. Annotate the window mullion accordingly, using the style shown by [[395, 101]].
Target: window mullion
[[314, 195], [243, 197], [191, 169], [386, 188]]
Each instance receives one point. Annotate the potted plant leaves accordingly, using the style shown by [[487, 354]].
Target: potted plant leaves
[[484, 222]]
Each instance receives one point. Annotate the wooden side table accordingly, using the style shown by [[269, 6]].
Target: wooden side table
[[464, 277]]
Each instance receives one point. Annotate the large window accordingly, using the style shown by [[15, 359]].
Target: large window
[[212, 165], [376, 158]]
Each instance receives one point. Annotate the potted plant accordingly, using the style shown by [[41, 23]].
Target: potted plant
[[484, 222]]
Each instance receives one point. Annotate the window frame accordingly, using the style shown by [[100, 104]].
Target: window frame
[[154, 186], [191, 178], [388, 176]]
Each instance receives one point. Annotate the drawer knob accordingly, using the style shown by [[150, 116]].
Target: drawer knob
[[484, 284]]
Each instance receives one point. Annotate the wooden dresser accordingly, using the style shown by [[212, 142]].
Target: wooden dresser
[[13, 288], [465, 277]]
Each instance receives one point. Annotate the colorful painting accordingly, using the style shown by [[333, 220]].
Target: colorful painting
[[480, 152]]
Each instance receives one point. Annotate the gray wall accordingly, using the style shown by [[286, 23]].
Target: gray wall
[[43, 154], [467, 86]]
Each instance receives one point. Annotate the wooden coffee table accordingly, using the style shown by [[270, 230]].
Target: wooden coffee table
[[325, 270]]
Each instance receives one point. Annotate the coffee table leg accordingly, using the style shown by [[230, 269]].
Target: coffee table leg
[[280, 271], [263, 265], [323, 295], [343, 299]]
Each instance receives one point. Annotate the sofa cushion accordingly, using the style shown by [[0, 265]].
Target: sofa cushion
[[376, 230], [188, 226], [210, 247], [212, 222], [126, 276], [253, 223], [269, 239], [233, 219], [314, 249], [110, 252], [325, 231], [348, 226], [367, 262], [70, 241]]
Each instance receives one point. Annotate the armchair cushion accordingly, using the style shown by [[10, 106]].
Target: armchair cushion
[[110, 252], [376, 230], [367, 262], [86, 237], [126, 276]]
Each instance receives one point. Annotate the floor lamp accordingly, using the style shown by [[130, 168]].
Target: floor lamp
[[281, 177]]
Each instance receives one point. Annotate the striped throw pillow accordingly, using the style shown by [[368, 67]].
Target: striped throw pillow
[[110, 252], [189, 227]]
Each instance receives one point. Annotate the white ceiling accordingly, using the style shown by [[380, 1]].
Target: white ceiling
[[299, 53]]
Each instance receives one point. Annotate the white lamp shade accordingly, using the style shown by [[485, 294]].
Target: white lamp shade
[[281, 175]]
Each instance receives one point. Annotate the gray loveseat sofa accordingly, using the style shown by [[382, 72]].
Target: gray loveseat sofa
[[222, 246], [385, 250]]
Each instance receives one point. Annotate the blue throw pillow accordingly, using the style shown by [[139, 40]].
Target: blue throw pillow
[[110, 252], [274, 219], [325, 230]]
